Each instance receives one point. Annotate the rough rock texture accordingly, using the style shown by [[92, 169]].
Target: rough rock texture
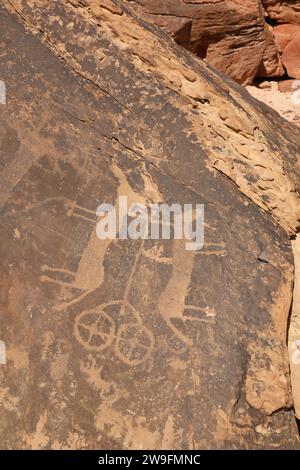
[[229, 34], [138, 344], [230, 37], [294, 331], [284, 34], [270, 65], [287, 37], [283, 11]]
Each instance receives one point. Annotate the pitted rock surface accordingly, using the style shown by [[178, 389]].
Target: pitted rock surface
[[138, 344]]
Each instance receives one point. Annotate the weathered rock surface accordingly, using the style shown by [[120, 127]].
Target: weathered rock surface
[[228, 34], [294, 330], [138, 344], [270, 65], [287, 37], [283, 11], [232, 36], [284, 34]]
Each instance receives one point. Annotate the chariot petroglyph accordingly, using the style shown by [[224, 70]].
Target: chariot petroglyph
[[96, 329]]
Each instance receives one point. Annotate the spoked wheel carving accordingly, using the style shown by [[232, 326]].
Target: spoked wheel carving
[[134, 343], [94, 330]]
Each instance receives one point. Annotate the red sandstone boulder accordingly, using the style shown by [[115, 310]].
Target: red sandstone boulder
[[271, 65], [284, 34], [283, 11], [287, 38], [291, 57], [228, 34]]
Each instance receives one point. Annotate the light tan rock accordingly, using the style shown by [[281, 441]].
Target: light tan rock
[[294, 332]]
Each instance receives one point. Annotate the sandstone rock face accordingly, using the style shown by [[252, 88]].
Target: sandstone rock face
[[294, 332], [138, 343], [271, 65], [232, 36], [284, 34], [229, 34], [283, 54], [291, 57], [288, 40], [283, 11]]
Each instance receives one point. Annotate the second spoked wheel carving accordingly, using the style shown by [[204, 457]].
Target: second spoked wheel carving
[[134, 343]]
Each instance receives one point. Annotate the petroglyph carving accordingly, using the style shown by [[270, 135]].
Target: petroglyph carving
[[172, 306], [155, 254], [94, 330], [134, 344], [90, 273], [150, 192]]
